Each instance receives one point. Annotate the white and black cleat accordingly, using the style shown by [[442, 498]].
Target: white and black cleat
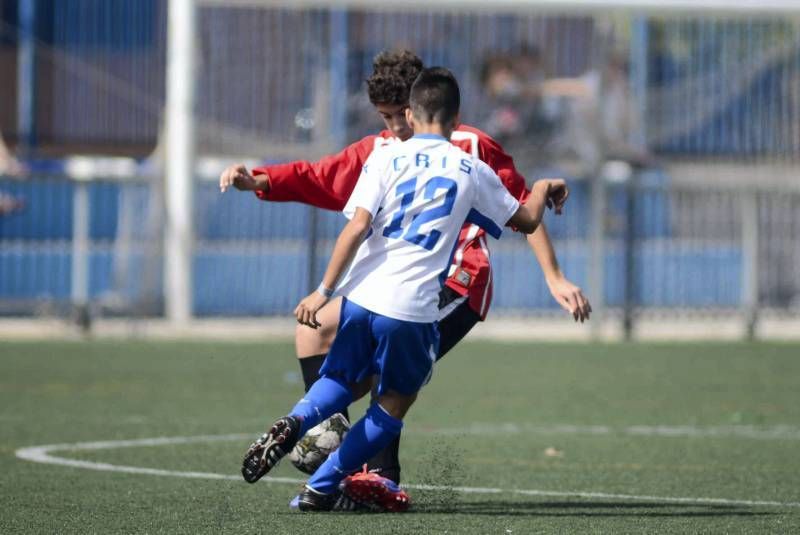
[[309, 500], [265, 453]]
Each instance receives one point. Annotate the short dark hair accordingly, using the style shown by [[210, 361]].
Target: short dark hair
[[435, 97], [393, 73]]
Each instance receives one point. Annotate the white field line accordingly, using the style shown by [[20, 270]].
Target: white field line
[[773, 432], [776, 432], [42, 454]]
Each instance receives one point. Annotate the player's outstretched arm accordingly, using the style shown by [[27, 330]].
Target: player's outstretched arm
[[327, 183], [345, 249], [566, 294], [240, 178]]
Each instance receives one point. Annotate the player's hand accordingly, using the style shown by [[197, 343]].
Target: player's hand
[[571, 298], [239, 177], [557, 193], [306, 311]]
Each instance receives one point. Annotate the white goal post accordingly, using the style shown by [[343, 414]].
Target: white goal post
[[179, 161]]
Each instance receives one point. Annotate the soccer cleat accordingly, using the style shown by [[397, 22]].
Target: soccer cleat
[[316, 501], [345, 503], [388, 473], [264, 454], [309, 500], [376, 492]]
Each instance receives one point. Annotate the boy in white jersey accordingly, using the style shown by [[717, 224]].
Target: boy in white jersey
[[405, 216]]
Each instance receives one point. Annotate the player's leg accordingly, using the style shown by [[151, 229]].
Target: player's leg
[[370, 490], [326, 397], [312, 345], [348, 362], [381, 423], [371, 433], [408, 365], [456, 320], [404, 358], [348, 365]]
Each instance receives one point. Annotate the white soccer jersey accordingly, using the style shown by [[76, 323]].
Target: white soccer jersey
[[419, 193]]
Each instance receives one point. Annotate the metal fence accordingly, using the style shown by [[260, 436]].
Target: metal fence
[[707, 84], [664, 248], [709, 223]]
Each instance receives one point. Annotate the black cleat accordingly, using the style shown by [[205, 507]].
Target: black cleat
[[270, 448], [309, 500]]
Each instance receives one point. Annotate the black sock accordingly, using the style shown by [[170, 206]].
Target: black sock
[[387, 461], [310, 367]]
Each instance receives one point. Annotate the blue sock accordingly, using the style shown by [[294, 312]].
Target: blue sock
[[367, 437], [326, 397]]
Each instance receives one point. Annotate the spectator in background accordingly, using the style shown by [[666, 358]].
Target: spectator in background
[[503, 90], [584, 127], [604, 123], [604, 138], [516, 110], [574, 125], [9, 166]]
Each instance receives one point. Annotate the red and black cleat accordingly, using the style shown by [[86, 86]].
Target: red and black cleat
[[265, 453], [376, 492]]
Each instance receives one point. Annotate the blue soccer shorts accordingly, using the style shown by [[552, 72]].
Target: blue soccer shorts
[[400, 353]]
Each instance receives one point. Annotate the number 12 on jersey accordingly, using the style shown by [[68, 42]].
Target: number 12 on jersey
[[407, 191]]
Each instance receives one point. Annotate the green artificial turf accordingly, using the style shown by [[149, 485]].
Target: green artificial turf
[[515, 438]]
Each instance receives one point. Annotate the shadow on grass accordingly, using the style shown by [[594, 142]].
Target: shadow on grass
[[586, 509]]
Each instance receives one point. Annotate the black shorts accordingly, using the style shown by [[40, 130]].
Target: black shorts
[[459, 319]]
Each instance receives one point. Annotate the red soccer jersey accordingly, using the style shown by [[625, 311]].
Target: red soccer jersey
[[329, 182]]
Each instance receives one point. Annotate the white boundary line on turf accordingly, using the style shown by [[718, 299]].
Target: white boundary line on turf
[[42, 454], [775, 432]]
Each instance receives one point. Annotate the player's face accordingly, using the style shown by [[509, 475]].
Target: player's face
[[394, 117]]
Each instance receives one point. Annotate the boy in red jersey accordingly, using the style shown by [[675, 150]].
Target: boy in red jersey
[[328, 183]]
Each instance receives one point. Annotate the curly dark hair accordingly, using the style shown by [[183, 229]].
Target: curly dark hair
[[393, 72]]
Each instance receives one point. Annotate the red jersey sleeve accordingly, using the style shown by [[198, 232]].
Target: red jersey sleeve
[[495, 157], [327, 183]]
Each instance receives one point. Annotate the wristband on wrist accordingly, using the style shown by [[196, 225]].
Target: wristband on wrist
[[325, 291]]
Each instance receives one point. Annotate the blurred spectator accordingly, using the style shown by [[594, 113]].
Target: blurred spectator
[[503, 89], [9, 165], [604, 123], [516, 110]]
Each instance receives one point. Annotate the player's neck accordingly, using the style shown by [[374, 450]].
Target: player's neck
[[432, 128]]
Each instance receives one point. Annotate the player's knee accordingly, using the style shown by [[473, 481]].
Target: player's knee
[[310, 341], [396, 404], [326, 333], [359, 390]]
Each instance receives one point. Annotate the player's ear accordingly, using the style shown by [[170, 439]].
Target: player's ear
[[409, 116]]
